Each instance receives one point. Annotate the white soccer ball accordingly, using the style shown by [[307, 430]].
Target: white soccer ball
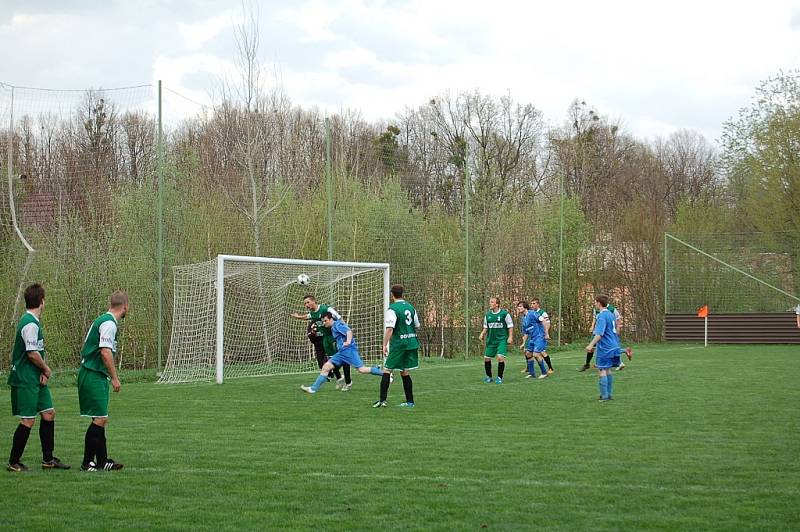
[[303, 279]]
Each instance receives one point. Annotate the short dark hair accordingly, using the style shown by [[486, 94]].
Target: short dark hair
[[309, 296], [397, 290], [536, 300], [327, 314], [495, 298], [602, 299], [34, 295], [524, 304]]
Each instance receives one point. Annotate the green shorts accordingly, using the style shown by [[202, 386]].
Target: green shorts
[[402, 359], [27, 402], [329, 345], [496, 349], [92, 393]]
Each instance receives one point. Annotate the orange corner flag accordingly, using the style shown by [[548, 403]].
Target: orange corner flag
[[702, 312]]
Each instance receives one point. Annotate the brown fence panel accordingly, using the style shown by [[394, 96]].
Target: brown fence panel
[[756, 328]]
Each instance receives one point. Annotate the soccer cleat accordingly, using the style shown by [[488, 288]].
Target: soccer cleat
[[19, 467], [407, 405], [550, 371], [346, 387], [629, 353], [542, 376], [602, 399], [487, 380], [91, 466], [530, 376], [498, 380], [620, 367], [379, 404], [584, 367], [308, 389], [340, 383], [55, 463], [111, 465], [524, 370]]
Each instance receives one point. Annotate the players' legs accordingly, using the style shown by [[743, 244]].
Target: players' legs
[[587, 364], [501, 367], [18, 442], [606, 381], [408, 388], [23, 405], [386, 380], [540, 360], [530, 364], [548, 362], [47, 429], [487, 367], [346, 371]]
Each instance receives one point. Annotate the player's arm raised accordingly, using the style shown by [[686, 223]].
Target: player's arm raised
[[298, 315]]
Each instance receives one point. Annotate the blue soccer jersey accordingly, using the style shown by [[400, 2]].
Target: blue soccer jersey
[[339, 331], [606, 328], [537, 323], [527, 323]]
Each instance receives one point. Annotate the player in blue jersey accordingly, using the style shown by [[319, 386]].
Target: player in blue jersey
[[605, 345], [541, 334], [530, 319], [347, 353]]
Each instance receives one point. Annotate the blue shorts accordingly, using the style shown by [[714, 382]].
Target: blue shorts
[[604, 361], [537, 345], [347, 356]]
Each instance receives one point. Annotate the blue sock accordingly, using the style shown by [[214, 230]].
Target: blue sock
[[376, 370], [543, 367], [610, 385], [531, 367], [321, 379], [603, 382]]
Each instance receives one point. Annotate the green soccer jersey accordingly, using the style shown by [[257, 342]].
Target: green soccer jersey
[[611, 308], [29, 337], [102, 333], [403, 319], [498, 323], [316, 317]]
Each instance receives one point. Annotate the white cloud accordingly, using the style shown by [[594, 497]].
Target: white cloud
[[197, 34], [656, 66]]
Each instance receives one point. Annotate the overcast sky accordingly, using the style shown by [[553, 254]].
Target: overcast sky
[[656, 66]]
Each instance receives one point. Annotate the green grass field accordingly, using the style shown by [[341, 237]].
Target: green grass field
[[695, 439]]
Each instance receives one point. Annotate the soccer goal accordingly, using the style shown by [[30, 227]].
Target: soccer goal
[[231, 315]]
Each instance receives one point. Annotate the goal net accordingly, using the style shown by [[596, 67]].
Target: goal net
[[231, 316]]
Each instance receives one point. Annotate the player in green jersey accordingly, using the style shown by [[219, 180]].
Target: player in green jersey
[[27, 378], [322, 338], [400, 346], [498, 330], [97, 370]]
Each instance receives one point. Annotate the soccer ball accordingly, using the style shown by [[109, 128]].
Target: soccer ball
[[303, 279]]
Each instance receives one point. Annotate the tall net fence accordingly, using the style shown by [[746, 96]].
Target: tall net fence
[[77, 211], [463, 206], [732, 273]]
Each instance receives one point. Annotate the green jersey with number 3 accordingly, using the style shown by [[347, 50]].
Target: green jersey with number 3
[[405, 328]]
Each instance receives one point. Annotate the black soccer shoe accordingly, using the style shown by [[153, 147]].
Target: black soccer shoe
[[54, 463], [111, 465], [19, 467]]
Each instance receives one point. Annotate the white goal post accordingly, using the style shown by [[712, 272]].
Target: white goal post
[[231, 315]]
